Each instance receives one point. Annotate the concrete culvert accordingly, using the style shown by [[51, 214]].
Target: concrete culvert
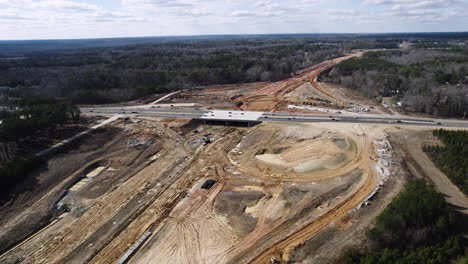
[[208, 184]]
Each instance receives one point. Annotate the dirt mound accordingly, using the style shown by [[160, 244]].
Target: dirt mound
[[301, 132], [303, 92], [231, 205], [256, 138], [283, 151], [317, 150]]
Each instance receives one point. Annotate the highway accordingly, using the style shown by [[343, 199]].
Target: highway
[[252, 116]]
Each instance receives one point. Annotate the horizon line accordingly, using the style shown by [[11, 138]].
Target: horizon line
[[240, 34]]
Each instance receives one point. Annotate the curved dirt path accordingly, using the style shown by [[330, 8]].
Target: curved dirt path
[[412, 142], [361, 143], [281, 249], [271, 96]]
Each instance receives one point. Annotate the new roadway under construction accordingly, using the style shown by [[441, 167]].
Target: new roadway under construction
[[235, 174]]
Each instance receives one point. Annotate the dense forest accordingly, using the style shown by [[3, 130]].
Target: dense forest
[[426, 78], [118, 73], [36, 114], [430, 77], [417, 227], [452, 158], [113, 70]]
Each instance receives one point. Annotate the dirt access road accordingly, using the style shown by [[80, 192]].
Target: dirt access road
[[411, 143], [196, 232], [80, 234], [269, 97], [291, 237], [257, 210]]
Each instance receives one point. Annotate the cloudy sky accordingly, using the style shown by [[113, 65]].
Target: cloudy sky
[[58, 19]]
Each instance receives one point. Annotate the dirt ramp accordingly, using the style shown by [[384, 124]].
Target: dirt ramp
[[280, 151]]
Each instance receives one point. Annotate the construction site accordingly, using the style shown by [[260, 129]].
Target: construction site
[[145, 189]]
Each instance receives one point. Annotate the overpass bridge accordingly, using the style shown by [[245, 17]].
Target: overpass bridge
[[249, 118]]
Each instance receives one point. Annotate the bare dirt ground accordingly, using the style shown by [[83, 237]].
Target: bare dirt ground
[[247, 212], [352, 96], [34, 208], [287, 152], [218, 97], [349, 232], [278, 187], [101, 201], [300, 89], [273, 96], [155, 190]]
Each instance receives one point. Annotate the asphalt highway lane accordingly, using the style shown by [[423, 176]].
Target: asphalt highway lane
[[280, 117]]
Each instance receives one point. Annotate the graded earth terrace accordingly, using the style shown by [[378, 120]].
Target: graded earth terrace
[[249, 173]]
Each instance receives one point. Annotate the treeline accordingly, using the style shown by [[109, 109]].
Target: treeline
[[37, 114], [112, 74], [21, 48], [417, 227], [32, 117], [452, 158], [424, 80]]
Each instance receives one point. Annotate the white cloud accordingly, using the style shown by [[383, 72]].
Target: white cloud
[[243, 13], [420, 11], [12, 17], [63, 5], [48, 12], [414, 3], [140, 4], [97, 18]]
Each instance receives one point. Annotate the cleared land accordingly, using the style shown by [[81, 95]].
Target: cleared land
[[156, 190]]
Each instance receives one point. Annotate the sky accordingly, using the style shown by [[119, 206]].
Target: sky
[[73, 19]]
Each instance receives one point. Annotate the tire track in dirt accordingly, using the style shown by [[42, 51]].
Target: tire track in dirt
[[125, 216], [287, 243], [344, 168], [75, 170], [272, 96], [189, 222], [52, 246]]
